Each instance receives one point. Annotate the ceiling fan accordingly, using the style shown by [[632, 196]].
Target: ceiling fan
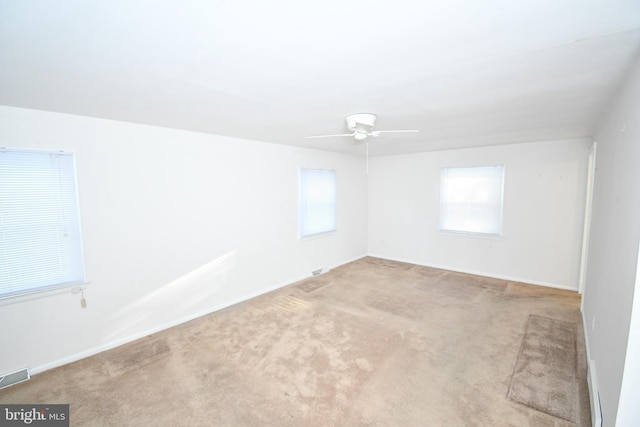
[[361, 127]]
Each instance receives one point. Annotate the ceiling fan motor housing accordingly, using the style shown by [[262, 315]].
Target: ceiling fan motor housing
[[361, 121]]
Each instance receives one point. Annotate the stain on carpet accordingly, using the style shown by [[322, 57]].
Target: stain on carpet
[[406, 305], [429, 272], [396, 265], [312, 284], [135, 355], [289, 304], [544, 377], [524, 290]]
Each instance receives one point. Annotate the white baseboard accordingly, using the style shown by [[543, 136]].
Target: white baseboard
[[594, 396], [326, 269], [482, 273], [592, 381], [112, 344]]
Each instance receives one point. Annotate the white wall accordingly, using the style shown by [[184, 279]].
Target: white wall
[[544, 201], [613, 251], [175, 224], [628, 408]]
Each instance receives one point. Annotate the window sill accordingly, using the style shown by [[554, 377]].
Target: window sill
[[472, 234], [74, 288], [317, 236]]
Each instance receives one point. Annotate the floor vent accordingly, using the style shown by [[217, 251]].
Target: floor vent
[[12, 378]]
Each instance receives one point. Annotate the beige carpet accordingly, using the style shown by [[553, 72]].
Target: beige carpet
[[372, 343]]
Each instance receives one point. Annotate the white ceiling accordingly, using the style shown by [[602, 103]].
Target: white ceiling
[[463, 72]]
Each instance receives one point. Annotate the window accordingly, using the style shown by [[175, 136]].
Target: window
[[471, 200], [40, 241], [317, 201]]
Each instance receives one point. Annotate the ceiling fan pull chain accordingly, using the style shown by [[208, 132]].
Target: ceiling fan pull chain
[[367, 157]]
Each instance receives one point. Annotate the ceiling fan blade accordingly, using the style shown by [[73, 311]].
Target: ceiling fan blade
[[378, 132], [330, 136]]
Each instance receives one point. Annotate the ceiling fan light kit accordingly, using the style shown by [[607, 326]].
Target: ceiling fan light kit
[[360, 135]]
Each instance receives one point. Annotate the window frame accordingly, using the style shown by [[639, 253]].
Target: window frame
[[461, 230], [67, 200], [303, 207]]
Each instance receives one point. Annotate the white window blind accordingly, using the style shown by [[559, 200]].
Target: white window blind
[[40, 240], [317, 201], [471, 199]]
